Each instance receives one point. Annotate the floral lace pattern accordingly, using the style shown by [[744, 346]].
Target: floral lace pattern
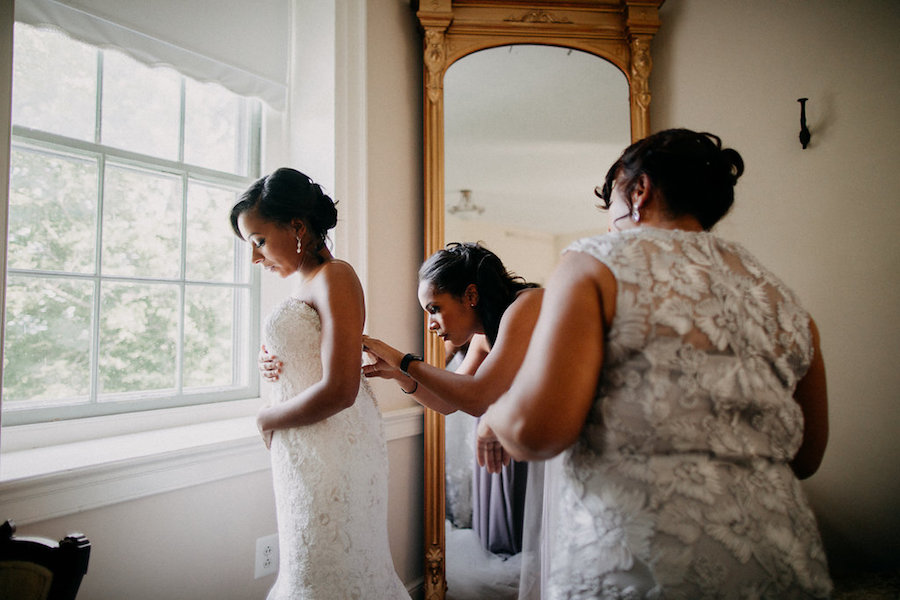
[[330, 481], [679, 485]]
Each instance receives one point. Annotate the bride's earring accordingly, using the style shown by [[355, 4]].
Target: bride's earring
[[635, 215], [299, 245]]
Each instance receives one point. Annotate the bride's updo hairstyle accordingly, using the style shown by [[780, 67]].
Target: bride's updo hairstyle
[[452, 269], [285, 195], [694, 174]]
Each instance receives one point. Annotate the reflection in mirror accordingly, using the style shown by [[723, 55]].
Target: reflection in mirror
[[528, 132]]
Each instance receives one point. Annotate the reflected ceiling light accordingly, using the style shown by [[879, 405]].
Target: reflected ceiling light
[[465, 205]]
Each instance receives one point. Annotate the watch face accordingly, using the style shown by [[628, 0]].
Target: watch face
[[404, 364]]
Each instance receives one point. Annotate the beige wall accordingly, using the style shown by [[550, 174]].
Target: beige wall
[[394, 186], [825, 218]]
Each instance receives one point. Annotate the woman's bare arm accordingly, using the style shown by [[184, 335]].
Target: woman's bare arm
[[471, 392], [547, 405], [812, 396], [337, 296]]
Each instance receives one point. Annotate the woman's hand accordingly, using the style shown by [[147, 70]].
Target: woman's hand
[[387, 359], [380, 368], [265, 433], [488, 449], [269, 365]]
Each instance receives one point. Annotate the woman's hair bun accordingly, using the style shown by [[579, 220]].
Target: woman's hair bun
[[287, 194], [694, 174], [734, 162], [324, 208]]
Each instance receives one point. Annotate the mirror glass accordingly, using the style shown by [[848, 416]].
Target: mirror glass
[[529, 131]]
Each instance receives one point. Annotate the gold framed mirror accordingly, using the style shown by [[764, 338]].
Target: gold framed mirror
[[617, 31]]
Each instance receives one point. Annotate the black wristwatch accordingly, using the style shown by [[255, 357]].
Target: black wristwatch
[[404, 362]]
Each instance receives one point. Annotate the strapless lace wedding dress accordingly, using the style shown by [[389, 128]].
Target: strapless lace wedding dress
[[330, 481]]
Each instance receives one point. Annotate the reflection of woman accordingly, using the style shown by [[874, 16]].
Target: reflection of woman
[[684, 385], [329, 459], [471, 298]]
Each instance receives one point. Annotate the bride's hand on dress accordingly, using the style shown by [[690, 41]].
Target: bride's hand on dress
[[269, 365], [265, 433], [491, 454]]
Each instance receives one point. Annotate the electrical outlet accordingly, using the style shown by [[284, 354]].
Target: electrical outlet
[[266, 555]]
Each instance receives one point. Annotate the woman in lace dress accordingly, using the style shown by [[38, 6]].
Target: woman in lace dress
[[471, 298], [324, 430], [684, 386]]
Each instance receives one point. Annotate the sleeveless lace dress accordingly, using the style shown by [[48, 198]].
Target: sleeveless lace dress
[[330, 481], [679, 485]]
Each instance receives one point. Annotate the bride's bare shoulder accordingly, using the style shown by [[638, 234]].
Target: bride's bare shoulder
[[338, 277], [338, 267]]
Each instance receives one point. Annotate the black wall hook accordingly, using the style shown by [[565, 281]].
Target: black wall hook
[[804, 130]]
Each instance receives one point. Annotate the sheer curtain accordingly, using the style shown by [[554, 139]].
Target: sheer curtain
[[241, 45]]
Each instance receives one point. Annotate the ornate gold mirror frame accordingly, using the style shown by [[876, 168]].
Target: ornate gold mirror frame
[[618, 31]]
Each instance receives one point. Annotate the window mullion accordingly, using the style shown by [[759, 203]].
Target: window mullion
[[182, 296], [181, 119], [94, 394], [98, 109], [182, 287], [94, 390]]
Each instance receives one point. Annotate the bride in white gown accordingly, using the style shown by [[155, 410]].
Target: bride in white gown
[[329, 458]]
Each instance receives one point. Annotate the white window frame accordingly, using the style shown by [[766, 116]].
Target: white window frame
[[245, 316], [50, 470], [153, 450]]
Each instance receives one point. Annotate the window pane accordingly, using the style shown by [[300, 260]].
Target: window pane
[[141, 106], [52, 211], [214, 123], [138, 337], [54, 83], [47, 348], [209, 348], [210, 240], [126, 282], [141, 223]]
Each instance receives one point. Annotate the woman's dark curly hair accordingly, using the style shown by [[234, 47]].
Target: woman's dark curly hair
[[452, 269], [284, 195], [694, 174]]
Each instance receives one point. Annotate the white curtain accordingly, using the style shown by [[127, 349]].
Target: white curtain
[[239, 44]]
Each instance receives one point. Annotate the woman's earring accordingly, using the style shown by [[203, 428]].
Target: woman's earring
[[299, 245], [635, 215]]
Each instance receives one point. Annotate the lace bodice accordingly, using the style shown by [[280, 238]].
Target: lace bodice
[[679, 486], [293, 334], [706, 344], [330, 480]]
